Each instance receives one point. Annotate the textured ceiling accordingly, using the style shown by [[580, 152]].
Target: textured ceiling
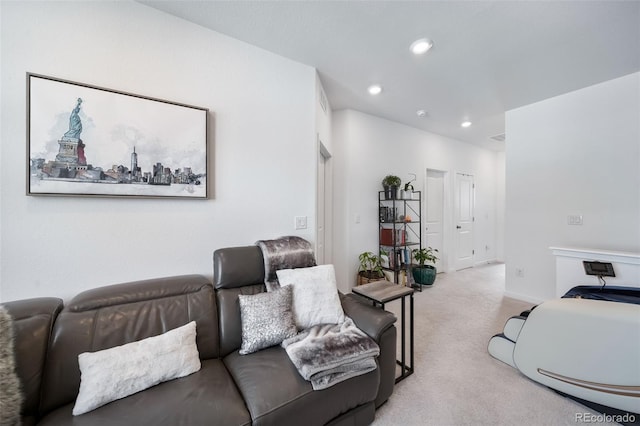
[[488, 56]]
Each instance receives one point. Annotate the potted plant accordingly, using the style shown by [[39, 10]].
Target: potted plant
[[370, 268], [391, 184], [407, 194], [425, 272]]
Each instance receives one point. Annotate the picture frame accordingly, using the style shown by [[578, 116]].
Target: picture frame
[[90, 141]]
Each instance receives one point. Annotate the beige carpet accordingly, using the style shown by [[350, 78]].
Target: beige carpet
[[456, 381]]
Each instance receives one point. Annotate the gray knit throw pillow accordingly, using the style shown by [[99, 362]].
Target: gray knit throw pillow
[[10, 394], [266, 319]]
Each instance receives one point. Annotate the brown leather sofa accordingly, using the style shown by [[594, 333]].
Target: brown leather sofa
[[262, 388]]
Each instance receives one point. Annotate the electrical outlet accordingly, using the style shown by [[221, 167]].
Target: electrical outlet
[[520, 272], [574, 219], [301, 222]]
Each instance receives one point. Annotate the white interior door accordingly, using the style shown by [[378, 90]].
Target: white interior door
[[463, 215], [434, 214]]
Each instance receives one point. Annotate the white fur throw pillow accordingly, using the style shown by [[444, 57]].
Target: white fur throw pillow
[[315, 295], [121, 371]]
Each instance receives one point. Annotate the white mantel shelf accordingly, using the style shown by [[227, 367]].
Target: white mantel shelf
[[570, 271], [596, 254]]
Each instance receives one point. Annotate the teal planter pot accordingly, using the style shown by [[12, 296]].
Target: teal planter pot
[[425, 275]]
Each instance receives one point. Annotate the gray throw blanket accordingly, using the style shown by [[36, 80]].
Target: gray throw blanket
[[284, 253], [328, 354]]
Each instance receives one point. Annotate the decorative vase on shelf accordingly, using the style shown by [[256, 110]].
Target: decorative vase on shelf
[[391, 184], [390, 192], [407, 194]]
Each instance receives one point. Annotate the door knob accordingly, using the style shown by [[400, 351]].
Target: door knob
[[458, 227]]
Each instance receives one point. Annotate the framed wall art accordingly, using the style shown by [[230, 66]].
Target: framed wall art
[[84, 140]]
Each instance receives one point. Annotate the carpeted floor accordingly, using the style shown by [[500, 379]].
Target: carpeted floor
[[456, 381]]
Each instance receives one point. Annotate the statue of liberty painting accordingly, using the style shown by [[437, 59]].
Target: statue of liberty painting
[[71, 149], [75, 124]]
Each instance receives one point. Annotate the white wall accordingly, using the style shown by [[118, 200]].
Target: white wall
[[366, 149], [262, 144], [575, 154]]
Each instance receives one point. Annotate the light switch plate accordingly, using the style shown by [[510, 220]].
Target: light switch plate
[[301, 222]]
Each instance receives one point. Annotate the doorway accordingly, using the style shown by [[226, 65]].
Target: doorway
[[434, 216], [464, 205]]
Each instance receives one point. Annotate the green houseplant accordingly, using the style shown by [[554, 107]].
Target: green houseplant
[[370, 268], [391, 184], [425, 272]]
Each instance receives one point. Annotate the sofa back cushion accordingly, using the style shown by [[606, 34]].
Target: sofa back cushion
[[235, 267], [230, 318], [236, 270], [115, 315]]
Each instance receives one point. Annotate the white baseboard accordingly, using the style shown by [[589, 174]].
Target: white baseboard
[[476, 264], [486, 262], [523, 297]]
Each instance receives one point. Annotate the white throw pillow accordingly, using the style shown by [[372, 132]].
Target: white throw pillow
[[121, 371], [315, 295]]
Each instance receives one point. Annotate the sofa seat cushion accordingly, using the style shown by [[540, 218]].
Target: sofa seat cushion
[[277, 395], [208, 396]]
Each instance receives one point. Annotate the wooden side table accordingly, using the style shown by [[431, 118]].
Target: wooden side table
[[381, 292]]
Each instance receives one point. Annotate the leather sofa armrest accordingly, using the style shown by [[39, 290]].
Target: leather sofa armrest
[[379, 325], [372, 320], [32, 324]]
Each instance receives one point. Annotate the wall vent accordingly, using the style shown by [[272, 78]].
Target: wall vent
[[500, 138]]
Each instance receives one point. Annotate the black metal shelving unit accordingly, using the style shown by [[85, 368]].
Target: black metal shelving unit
[[400, 232]]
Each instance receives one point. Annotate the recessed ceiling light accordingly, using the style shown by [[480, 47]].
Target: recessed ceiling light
[[375, 89], [421, 113], [465, 124], [422, 46]]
